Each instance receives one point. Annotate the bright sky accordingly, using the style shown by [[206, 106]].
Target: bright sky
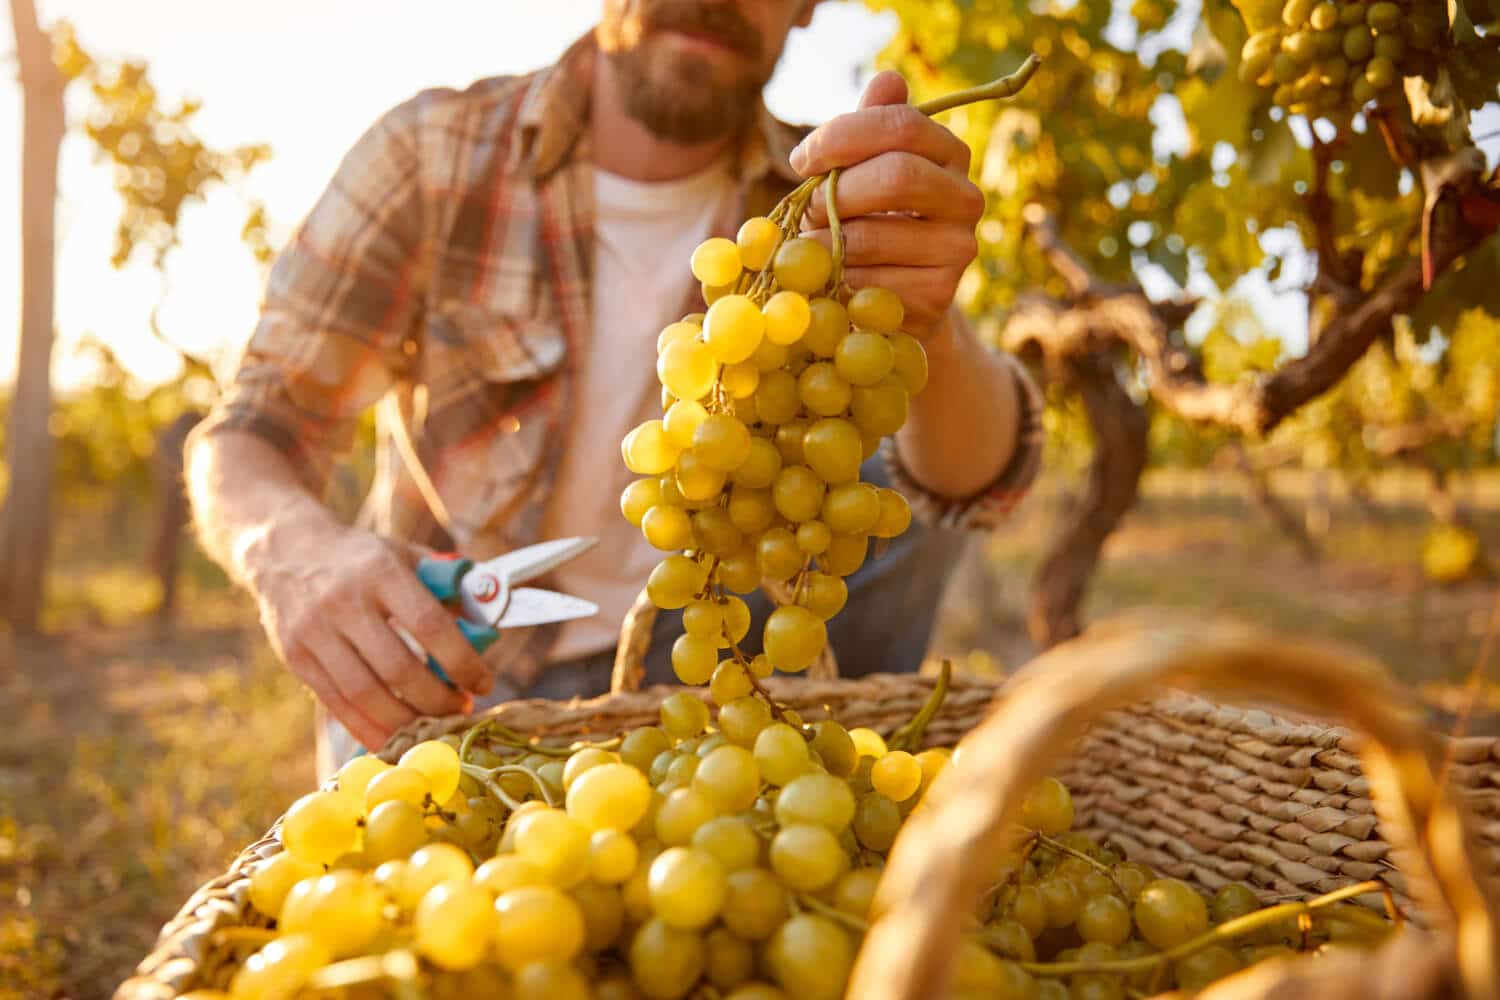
[[306, 76]]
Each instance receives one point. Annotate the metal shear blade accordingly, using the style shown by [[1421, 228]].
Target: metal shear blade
[[533, 606], [489, 595]]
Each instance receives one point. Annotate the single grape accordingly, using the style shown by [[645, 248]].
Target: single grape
[[729, 959], [876, 820], [845, 555], [675, 581], [603, 914], [714, 532], [787, 317], [729, 840], [729, 778], [793, 638], [756, 903], [716, 261], [1233, 900], [728, 683], [555, 843], [803, 265], [1048, 808], [667, 528], [736, 618], [280, 969], [833, 449], [665, 961], [648, 451], [1011, 939], [832, 743], [1062, 898], [909, 361], [1133, 877], [798, 493], [769, 356], [683, 716], [687, 369], [894, 517], [741, 721], [759, 469], [806, 857], [864, 358], [1169, 912], [756, 240], [813, 537], [454, 925], [393, 830], [882, 407], [828, 324], [868, 743], [681, 421], [681, 814], [1359, 44], [851, 509], [321, 826], [1380, 72], [687, 886], [777, 398], [897, 775], [609, 797], [537, 923], [823, 390], [355, 776], [697, 478], [781, 754], [341, 910], [811, 957], [639, 497], [733, 329], [505, 872], [816, 798], [721, 442], [778, 554], [877, 309], [274, 878], [641, 746], [739, 572], [1105, 919], [1194, 972], [740, 380], [788, 440], [673, 332]]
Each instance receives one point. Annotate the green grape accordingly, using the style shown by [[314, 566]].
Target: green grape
[[1295, 13], [273, 879], [667, 528], [769, 356], [355, 776], [641, 745], [787, 315], [1048, 808], [683, 716], [721, 442], [393, 830], [797, 494], [733, 329], [729, 840], [1105, 919], [681, 421], [687, 369], [1132, 877], [909, 361], [877, 309], [714, 532], [880, 408], [340, 910], [810, 957], [639, 497], [826, 595], [609, 797], [805, 857], [505, 872], [1325, 15], [603, 914], [613, 855], [688, 887], [681, 814], [1285, 69], [666, 962], [759, 469], [1335, 71], [716, 261], [897, 775], [760, 666], [1327, 42], [675, 581], [802, 265], [895, 515], [832, 743], [730, 959], [537, 923], [823, 390], [1362, 91], [680, 772], [728, 683], [739, 572], [813, 537], [1169, 912], [736, 618], [845, 555], [778, 554], [876, 820], [279, 970], [816, 798], [851, 509], [793, 638], [789, 441], [781, 754], [647, 449], [756, 905], [703, 618], [777, 397], [321, 826], [827, 326], [1300, 46], [697, 478], [1196, 971], [1255, 59], [673, 332], [1359, 44], [1233, 900], [756, 991], [751, 510], [854, 892], [741, 721], [1380, 73], [729, 778], [868, 743], [1062, 898], [1282, 96], [1353, 13], [864, 358], [1384, 16], [833, 449], [454, 925], [756, 240]]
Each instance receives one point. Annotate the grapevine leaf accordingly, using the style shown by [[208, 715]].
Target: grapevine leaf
[[1266, 159], [1466, 284], [1475, 72], [1368, 167]]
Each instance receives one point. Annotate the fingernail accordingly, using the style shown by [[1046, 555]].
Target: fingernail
[[796, 154], [468, 703]]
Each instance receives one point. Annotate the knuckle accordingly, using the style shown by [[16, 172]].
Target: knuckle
[[904, 123], [972, 200], [431, 622]]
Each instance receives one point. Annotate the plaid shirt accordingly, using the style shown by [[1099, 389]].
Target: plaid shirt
[[445, 275]]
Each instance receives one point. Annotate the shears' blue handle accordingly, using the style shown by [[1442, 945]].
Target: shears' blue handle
[[441, 576]]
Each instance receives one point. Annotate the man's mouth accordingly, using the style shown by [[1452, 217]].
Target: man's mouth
[[703, 41]]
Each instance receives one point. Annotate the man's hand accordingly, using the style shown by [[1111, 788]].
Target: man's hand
[[905, 201], [328, 604]]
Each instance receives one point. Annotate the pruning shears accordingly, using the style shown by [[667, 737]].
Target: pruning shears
[[485, 598]]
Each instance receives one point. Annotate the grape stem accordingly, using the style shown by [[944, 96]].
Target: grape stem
[[1053, 844], [1225, 932], [835, 231], [833, 913], [909, 737], [755, 685], [995, 90]]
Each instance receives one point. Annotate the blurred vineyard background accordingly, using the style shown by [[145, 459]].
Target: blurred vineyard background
[[150, 733]]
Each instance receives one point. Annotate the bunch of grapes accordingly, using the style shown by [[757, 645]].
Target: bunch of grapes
[[772, 399], [1328, 58], [735, 857]]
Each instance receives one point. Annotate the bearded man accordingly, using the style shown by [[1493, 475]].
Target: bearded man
[[492, 266]]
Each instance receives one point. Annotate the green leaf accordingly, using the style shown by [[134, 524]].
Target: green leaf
[[1475, 71], [1218, 112], [1368, 166], [1265, 160], [1466, 284]]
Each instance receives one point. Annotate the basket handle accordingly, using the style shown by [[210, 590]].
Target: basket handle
[[635, 643], [930, 882]]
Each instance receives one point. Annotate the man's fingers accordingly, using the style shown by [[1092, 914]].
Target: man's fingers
[[369, 733], [895, 239], [885, 87], [406, 676], [414, 609], [899, 182], [859, 135], [358, 683]]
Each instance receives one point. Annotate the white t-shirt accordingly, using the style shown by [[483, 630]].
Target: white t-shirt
[[644, 235]]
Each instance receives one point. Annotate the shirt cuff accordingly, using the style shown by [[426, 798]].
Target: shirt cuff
[[312, 465], [987, 509]]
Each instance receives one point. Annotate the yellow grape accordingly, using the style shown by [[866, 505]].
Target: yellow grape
[[681, 421], [537, 923], [810, 957], [453, 926], [687, 886], [682, 813], [826, 594], [341, 910], [845, 555], [696, 478], [803, 265], [273, 879], [682, 717], [713, 293], [756, 241], [716, 261], [758, 470], [279, 970], [439, 763], [393, 830], [867, 742], [729, 840], [694, 659], [733, 329], [798, 493], [354, 777], [750, 510], [909, 361], [778, 554], [896, 775], [794, 637], [880, 408], [609, 797], [895, 515], [729, 775], [667, 528], [778, 397], [789, 441], [648, 450], [687, 369], [665, 961], [673, 332], [770, 355], [833, 449], [877, 309], [787, 317], [740, 380], [824, 391], [806, 857], [555, 843], [703, 618], [637, 498], [321, 826], [864, 358], [613, 855], [715, 533], [736, 618], [505, 872], [721, 442], [781, 754], [828, 323], [739, 572], [851, 508], [437, 864]]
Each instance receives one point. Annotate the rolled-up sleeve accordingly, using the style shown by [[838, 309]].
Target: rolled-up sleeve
[[991, 506], [340, 305]]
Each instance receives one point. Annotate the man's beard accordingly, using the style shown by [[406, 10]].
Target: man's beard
[[678, 96]]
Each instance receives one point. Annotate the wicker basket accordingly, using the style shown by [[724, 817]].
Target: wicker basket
[[1195, 789]]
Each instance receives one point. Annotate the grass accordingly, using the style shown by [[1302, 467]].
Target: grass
[[136, 764]]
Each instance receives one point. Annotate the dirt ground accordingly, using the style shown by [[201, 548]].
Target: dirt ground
[[134, 763]]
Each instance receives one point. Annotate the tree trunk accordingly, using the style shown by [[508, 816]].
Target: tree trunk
[[1119, 425], [25, 530], [1269, 504], [171, 511]]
